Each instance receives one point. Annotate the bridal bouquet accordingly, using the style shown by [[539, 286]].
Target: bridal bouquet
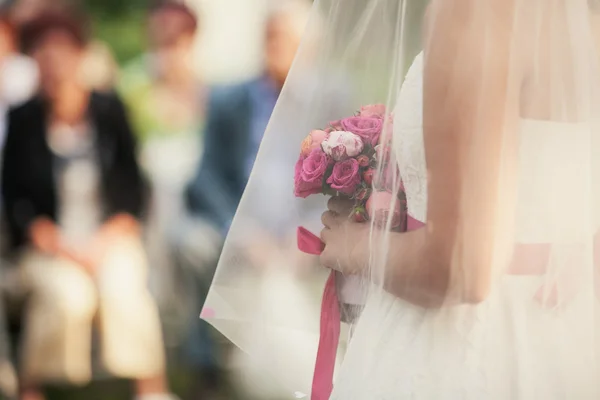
[[348, 158], [345, 159]]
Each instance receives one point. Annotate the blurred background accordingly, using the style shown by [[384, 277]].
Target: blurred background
[[128, 132]]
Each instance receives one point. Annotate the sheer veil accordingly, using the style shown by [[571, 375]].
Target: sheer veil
[[480, 271]]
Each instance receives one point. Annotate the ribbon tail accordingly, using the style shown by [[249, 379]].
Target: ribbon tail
[[322, 384], [308, 242], [329, 334]]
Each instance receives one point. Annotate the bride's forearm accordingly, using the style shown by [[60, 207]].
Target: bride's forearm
[[411, 274], [415, 270]]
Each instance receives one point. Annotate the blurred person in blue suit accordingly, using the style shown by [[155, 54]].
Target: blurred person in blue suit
[[237, 119]]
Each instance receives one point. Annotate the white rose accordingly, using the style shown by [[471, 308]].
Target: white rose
[[342, 145]]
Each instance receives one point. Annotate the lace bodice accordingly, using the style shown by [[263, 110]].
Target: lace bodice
[[408, 140], [540, 143]]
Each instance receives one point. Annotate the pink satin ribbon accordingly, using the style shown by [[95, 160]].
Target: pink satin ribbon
[[413, 224], [329, 332], [329, 338]]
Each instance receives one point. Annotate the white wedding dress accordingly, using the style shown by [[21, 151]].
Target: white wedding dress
[[500, 349]]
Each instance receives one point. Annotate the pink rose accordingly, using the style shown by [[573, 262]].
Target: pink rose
[[341, 145], [318, 136], [367, 128], [372, 110], [309, 173], [312, 141], [334, 126], [345, 176], [379, 208]]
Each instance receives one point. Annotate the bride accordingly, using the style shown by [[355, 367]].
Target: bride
[[491, 294]]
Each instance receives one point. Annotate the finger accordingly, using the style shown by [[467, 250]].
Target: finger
[[340, 205], [329, 261], [330, 219], [325, 234]]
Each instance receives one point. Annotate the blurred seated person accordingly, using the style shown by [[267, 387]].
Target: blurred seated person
[[73, 195], [166, 99], [237, 117]]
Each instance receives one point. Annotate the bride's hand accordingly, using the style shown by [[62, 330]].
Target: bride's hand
[[345, 240]]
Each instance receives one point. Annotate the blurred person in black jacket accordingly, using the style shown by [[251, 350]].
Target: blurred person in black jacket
[[73, 197]]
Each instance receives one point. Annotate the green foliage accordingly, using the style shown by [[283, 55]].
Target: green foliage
[[115, 7], [124, 34], [120, 24]]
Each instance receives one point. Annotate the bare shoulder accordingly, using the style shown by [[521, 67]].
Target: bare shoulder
[[465, 30], [456, 17]]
